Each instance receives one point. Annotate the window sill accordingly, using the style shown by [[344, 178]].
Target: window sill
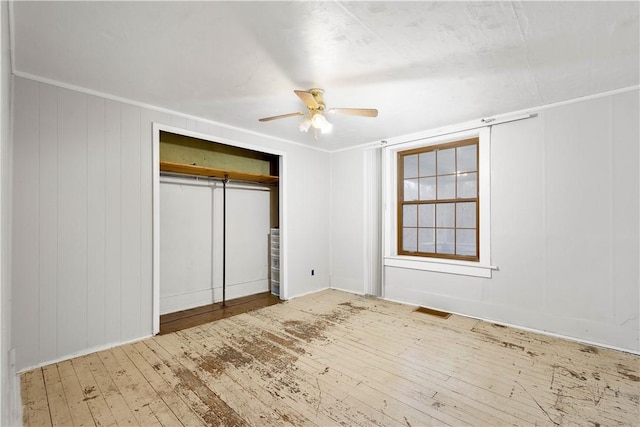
[[465, 268]]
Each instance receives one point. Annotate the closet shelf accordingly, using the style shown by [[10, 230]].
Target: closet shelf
[[216, 173]]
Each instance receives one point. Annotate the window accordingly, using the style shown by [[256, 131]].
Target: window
[[438, 203], [454, 257]]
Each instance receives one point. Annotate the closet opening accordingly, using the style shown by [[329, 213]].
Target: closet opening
[[217, 218]]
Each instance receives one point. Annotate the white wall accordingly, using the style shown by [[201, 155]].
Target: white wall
[[247, 242], [186, 245], [347, 224], [564, 227], [82, 209], [308, 189], [191, 243], [9, 385]]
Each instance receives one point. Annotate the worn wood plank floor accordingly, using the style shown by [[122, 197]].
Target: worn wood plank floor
[[184, 319], [334, 358]]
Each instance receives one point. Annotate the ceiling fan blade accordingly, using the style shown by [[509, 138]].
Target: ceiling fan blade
[[307, 98], [362, 112], [281, 116]]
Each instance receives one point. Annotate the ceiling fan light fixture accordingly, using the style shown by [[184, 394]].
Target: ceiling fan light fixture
[[314, 117], [319, 121], [327, 128], [305, 125]]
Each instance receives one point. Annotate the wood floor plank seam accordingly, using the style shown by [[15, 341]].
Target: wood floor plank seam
[[119, 406], [190, 363], [139, 406], [316, 375], [96, 401], [458, 420], [164, 364], [333, 369], [527, 369], [181, 410], [207, 408], [154, 401], [191, 416], [336, 358], [58, 405], [570, 379], [77, 405], [264, 371]]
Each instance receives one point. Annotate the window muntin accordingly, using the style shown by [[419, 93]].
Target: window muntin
[[438, 205]]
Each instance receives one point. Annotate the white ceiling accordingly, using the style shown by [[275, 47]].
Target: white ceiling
[[421, 64]]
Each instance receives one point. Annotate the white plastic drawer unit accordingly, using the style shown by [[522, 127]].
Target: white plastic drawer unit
[[274, 240], [275, 274], [275, 287], [275, 262], [275, 245]]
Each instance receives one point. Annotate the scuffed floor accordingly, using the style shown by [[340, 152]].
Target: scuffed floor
[[334, 358]]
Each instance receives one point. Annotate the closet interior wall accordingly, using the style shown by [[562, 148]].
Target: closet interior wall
[[205, 257]]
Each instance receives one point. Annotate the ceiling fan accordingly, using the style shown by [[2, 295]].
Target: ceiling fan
[[315, 116]]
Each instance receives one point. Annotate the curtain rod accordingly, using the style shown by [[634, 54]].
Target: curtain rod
[[489, 121]]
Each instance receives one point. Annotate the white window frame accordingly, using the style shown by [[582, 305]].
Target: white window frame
[[481, 268]]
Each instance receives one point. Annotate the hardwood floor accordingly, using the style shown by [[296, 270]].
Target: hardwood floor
[[334, 358], [197, 316]]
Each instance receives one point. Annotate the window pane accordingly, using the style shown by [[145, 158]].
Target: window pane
[[410, 239], [411, 166], [466, 215], [426, 240], [445, 215], [428, 163], [446, 187], [444, 241], [446, 161], [427, 188], [465, 242], [410, 215], [467, 157], [427, 215], [439, 200], [467, 185], [410, 189]]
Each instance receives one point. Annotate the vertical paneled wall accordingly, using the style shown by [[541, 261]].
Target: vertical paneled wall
[[26, 226], [82, 219], [9, 383], [564, 227], [81, 272], [347, 224]]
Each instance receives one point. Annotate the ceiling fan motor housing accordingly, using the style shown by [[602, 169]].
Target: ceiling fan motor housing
[[318, 96]]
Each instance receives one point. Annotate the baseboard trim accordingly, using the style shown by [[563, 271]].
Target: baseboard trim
[[528, 329], [83, 353]]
